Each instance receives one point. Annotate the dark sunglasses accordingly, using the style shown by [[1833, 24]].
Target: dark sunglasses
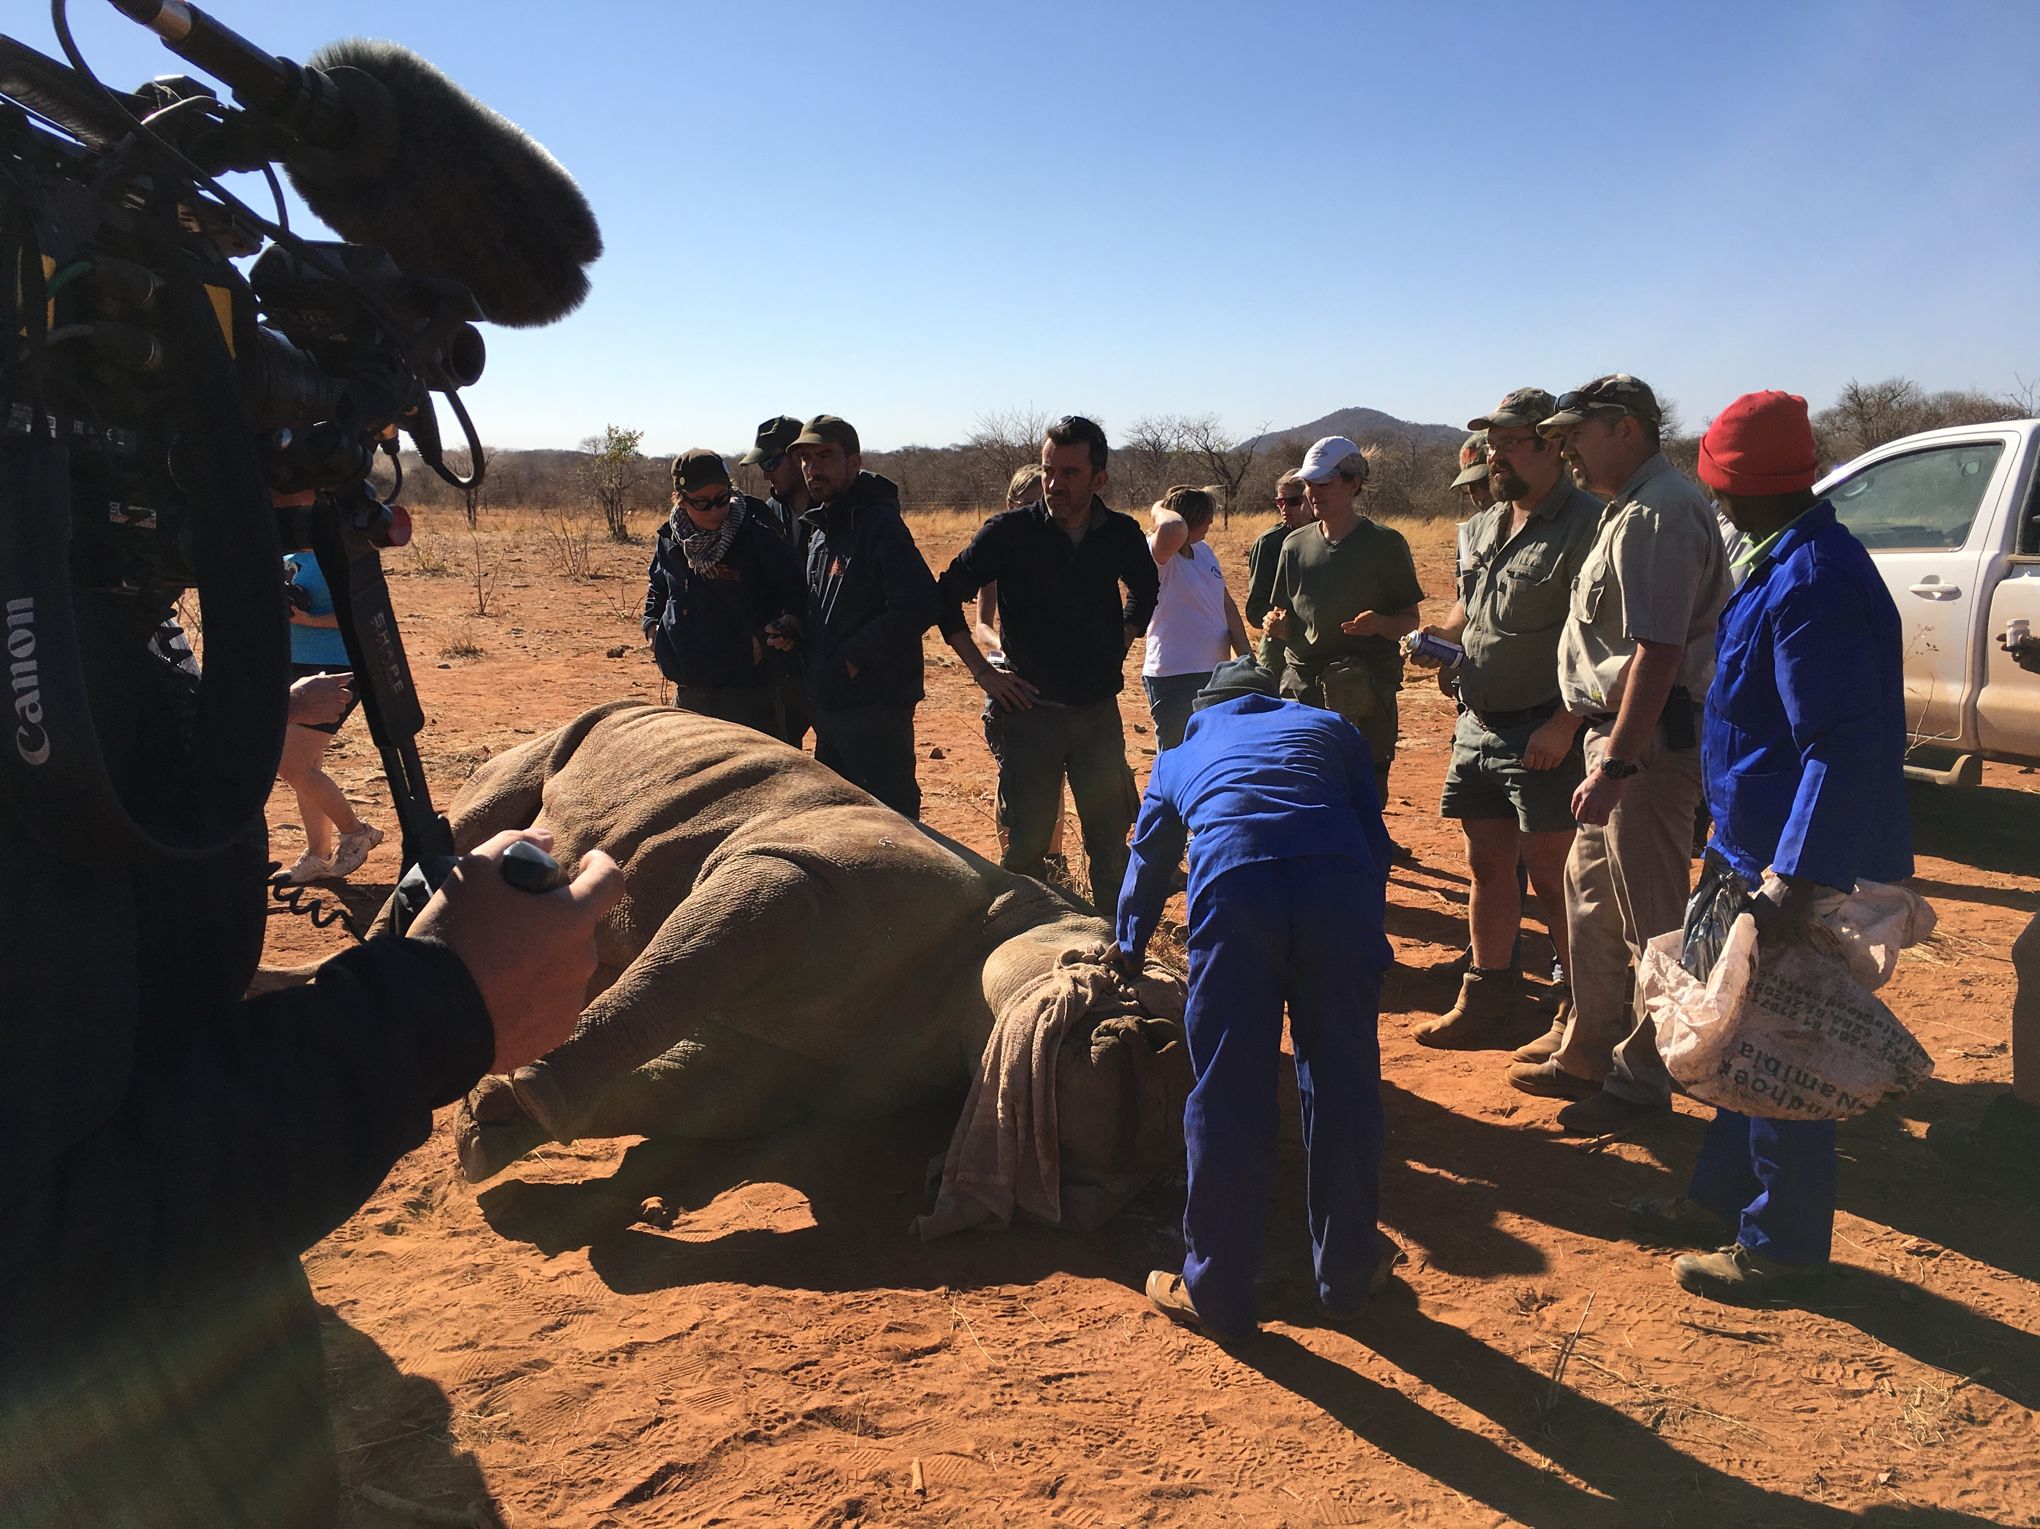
[[714, 501], [771, 464], [1288, 502]]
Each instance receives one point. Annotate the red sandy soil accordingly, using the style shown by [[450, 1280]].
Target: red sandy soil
[[787, 1354]]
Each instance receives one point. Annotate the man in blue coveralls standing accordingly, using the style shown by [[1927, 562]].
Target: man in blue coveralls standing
[[1802, 753], [1288, 883]]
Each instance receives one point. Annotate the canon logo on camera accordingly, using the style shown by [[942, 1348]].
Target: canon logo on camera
[[30, 741]]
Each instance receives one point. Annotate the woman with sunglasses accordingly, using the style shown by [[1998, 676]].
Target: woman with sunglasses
[[722, 584]]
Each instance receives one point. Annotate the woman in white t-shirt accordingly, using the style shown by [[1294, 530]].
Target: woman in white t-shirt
[[1196, 626]]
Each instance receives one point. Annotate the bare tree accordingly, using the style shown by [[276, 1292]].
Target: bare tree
[[611, 473], [1227, 460], [1150, 453]]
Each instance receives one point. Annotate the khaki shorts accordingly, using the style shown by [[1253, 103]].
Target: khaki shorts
[[1488, 779]]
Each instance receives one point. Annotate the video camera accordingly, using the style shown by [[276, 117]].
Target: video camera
[[169, 422]]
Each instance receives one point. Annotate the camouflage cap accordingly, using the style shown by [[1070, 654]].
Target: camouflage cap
[[1472, 460], [1616, 393], [1521, 409]]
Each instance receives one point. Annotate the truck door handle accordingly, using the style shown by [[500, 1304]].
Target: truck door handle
[[1934, 589]]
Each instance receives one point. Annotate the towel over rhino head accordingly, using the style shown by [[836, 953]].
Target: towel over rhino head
[[788, 947]]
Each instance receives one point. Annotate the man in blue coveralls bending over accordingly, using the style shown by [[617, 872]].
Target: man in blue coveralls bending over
[[1803, 754], [1288, 881]]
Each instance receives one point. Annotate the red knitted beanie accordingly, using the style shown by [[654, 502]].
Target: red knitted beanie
[[1760, 444]]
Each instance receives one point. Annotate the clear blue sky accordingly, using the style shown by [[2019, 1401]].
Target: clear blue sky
[[909, 214]]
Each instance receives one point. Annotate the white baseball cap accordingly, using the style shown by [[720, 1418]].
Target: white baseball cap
[[1328, 456]]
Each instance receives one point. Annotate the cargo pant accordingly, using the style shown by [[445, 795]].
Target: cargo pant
[[1626, 881], [1036, 749]]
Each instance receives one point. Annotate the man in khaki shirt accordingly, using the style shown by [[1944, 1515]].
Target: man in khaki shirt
[[1634, 661], [1515, 761]]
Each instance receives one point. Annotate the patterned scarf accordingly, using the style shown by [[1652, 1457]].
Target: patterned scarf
[[704, 549]]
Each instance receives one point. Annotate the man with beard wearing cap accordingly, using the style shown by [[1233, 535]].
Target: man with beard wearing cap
[[1515, 762], [1346, 592], [721, 586], [1636, 652], [1288, 885], [870, 597], [1804, 753], [1473, 472], [771, 453]]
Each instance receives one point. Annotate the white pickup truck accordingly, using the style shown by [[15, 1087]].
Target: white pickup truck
[[1952, 518]]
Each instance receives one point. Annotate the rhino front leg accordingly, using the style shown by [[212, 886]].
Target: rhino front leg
[[728, 935]]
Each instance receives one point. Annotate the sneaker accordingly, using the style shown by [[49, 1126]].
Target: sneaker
[[1737, 1274], [309, 868], [1604, 1113], [353, 849], [1677, 1220], [1548, 1080], [1168, 1294]]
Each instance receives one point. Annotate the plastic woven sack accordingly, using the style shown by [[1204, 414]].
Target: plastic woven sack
[[1795, 1038]]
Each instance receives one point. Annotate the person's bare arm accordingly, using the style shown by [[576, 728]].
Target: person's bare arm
[[987, 628], [1168, 537], [1236, 628]]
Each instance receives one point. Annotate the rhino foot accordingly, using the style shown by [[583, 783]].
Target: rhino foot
[[492, 1131]]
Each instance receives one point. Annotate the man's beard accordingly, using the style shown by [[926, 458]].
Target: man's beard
[[1506, 484]]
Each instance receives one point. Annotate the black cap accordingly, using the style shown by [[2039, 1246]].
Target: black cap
[[774, 436], [697, 469]]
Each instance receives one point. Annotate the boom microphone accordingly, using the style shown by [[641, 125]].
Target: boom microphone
[[390, 152]]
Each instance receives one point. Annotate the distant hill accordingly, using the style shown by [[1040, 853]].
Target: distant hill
[[1365, 427]]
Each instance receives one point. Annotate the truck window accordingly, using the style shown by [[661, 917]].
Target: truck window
[[1924, 500]]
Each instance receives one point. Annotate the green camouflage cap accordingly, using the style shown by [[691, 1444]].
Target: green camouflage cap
[[1616, 393], [1472, 460], [1521, 410]]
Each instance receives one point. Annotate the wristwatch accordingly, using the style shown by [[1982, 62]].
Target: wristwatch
[[1618, 769]]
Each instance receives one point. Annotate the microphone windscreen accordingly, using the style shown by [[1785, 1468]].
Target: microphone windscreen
[[451, 188]]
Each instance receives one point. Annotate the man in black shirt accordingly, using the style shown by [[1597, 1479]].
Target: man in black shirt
[[870, 597], [1060, 567]]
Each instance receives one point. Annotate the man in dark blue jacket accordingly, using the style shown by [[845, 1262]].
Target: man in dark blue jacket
[[1288, 886], [870, 596], [1802, 756], [723, 583]]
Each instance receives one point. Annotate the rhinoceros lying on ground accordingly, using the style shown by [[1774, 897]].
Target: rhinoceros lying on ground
[[787, 946]]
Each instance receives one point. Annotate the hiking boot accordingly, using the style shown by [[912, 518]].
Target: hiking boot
[[1678, 1220], [1378, 1278], [309, 868], [2003, 1145], [353, 849], [1736, 1274], [1545, 1047], [1487, 1002], [1604, 1113], [1548, 1080], [1168, 1294]]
